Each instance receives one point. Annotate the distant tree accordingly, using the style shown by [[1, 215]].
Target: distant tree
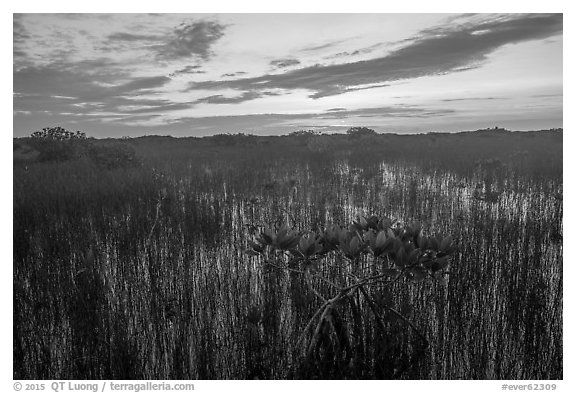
[[58, 144], [357, 132], [303, 133], [58, 134], [302, 137], [233, 139]]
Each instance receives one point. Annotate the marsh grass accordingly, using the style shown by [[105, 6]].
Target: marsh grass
[[140, 272]]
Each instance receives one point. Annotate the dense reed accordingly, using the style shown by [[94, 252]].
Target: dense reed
[[140, 272]]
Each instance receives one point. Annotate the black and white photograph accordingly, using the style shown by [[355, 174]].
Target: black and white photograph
[[287, 196]]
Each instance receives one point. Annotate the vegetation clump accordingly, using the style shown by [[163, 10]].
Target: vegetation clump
[[359, 132], [59, 144], [371, 255], [233, 139], [58, 134]]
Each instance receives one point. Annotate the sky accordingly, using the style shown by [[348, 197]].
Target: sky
[[114, 75]]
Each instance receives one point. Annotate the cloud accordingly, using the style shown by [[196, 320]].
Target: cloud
[[139, 120], [87, 80], [155, 107], [361, 51], [122, 106], [85, 88], [191, 39], [138, 84], [20, 36], [129, 37], [118, 110], [62, 71], [19, 32], [547, 95], [65, 98], [384, 112], [314, 48], [246, 96], [260, 122], [233, 74], [473, 99], [127, 41], [186, 40], [395, 111], [283, 63], [191, 69], [445, 49], [341, 90], [81, 80]]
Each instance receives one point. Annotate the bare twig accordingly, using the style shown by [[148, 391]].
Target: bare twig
[[322, 309], [374, 309], [309, 324], [319, 327]]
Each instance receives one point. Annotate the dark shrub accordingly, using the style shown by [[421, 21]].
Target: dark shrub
[[358, 132], [57, 144], [58, 134]]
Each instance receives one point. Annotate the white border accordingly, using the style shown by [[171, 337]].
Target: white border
[[299, 6]]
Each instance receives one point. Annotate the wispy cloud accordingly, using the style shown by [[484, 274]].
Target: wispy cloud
[[139, 84], [251, 71], [361, 51], [327, 45], [20, 35], [385, 112], [89, 84], [472, 99], [233, 74], [83, 81], [547, 95], [162, 106], [130, 37], [86, 89], [283, 63], [190, 69], [322, 119], [191, 39], [246, 96], [342, 89], [436, 51]]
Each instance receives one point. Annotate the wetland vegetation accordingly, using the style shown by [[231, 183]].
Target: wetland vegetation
[[212, 258]]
